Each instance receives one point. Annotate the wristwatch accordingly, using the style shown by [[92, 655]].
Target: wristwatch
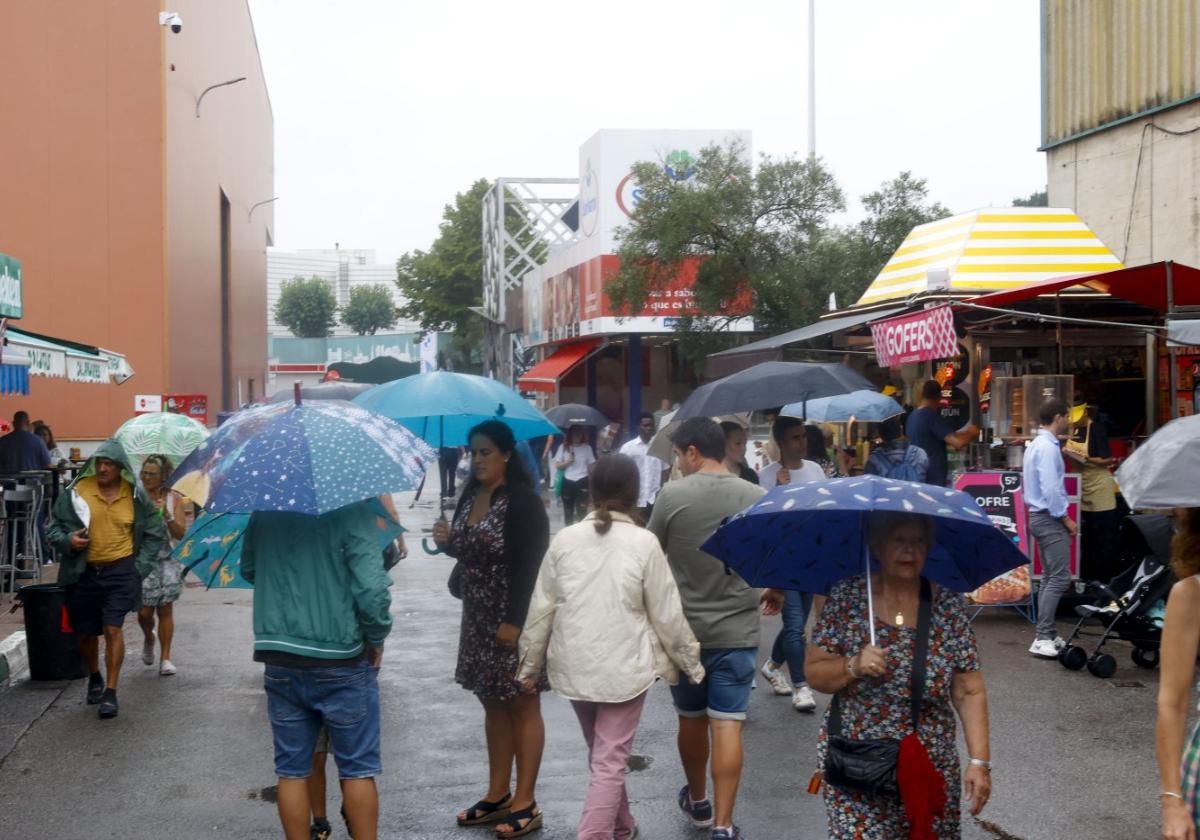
[[979, 762]]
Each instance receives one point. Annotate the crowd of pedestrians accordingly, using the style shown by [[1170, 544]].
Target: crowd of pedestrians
[[622, 596]]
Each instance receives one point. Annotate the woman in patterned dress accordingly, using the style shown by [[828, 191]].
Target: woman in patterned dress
[[162, 587], [874, 681], [499, 536], [1179, 763]]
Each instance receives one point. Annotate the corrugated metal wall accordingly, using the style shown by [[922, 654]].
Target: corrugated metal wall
[[1107, 59]]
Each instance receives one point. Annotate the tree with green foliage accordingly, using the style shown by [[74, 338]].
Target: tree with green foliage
[[1038, 198], [754, 228], [766, 231], [369, 310], [441, 284], [307, 307]]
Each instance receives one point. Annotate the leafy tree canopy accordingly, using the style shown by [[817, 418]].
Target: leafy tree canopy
[[768, 231], [439, 285], [307, 307], [1034, 199], [369, 309]]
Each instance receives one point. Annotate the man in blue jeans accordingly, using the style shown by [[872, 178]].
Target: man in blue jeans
[[722, 610], [1046, 497], [321, 614]]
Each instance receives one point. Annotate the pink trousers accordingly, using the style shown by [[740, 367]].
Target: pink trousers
[[609, 729]]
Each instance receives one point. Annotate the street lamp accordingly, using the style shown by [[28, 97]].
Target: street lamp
[[204, 92]]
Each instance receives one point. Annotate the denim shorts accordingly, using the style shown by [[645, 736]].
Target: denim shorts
[[345, 700], [724, 693]]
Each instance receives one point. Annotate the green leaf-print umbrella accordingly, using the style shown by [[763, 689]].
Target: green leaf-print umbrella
[[161, 433]]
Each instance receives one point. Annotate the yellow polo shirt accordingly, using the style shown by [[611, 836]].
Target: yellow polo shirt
[[110, 533]]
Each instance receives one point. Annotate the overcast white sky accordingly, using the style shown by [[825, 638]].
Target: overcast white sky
[[384, 109]]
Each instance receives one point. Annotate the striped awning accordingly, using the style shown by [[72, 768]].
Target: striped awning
[[989, 250]]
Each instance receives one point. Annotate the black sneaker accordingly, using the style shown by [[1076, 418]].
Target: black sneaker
[[95, 689], [700, 813], [321, 829], [108, 704]]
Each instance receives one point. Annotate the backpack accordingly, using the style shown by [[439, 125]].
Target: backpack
[[900, 465]]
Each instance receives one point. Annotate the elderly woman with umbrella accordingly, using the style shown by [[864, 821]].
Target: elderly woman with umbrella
[[892, 644], [160, 440]]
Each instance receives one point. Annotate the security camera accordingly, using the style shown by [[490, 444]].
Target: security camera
[[171, 19]]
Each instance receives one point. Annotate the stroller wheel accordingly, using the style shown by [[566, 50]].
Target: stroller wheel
[[1145, 658], [1102, 665], [1072, 657]]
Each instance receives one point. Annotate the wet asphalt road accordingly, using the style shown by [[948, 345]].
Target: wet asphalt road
[[190, 756]]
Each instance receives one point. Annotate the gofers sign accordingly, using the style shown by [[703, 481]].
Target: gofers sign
[[918, 337]]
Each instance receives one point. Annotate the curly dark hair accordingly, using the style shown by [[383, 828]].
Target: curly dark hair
[[1185, 547], [515, 474]]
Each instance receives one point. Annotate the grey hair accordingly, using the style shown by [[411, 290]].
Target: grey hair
[[881, 524]]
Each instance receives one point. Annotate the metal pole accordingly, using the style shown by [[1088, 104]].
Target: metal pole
[[1172, 361], [1151, 382], [812, 78]]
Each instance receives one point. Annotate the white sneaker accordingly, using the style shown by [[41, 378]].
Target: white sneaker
[[780, 684], [148, 651], [803, 700], [166, 669], [1044, 648], [1059, 643]]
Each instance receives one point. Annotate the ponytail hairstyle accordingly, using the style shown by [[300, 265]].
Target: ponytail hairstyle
[[614, 485]]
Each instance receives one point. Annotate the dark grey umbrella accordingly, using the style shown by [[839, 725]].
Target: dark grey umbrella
[[573, 414], [771, 385], [324, 391]]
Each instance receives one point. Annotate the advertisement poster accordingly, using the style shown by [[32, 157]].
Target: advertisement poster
[[193, 405], [999, 494]]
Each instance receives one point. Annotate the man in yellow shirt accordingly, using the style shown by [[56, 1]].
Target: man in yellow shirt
[[103, 561]]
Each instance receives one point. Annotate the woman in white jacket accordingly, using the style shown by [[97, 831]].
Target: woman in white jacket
[[606, 620]]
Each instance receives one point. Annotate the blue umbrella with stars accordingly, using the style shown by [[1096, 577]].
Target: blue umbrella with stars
[[304, 458], [809, 536]]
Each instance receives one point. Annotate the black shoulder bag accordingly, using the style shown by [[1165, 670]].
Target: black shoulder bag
[[869, 765]]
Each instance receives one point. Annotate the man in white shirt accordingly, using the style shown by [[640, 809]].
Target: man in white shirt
[[1051, 527], [651, 470], [791, 468]]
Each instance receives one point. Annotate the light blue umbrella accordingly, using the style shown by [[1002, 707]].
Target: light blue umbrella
[[867, 406], [442, 407]]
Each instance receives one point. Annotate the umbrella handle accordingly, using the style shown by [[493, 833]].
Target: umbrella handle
[[428, 550]]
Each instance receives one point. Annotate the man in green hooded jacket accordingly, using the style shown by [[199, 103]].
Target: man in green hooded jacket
[[104, 559]]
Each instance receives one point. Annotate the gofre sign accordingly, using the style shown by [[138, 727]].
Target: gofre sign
[[10, 288], [918, 337]]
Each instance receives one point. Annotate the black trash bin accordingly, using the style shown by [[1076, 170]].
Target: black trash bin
[[52, 643]]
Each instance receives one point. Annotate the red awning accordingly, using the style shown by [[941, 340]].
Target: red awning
[[1142, 284], [545, 374]]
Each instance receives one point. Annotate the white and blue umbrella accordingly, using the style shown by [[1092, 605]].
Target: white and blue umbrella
[[864, 405], [310, 458], [1161, 473], [809, 536]]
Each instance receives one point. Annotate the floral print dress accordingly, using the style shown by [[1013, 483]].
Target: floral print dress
[[484, 667], [164, 585], [882, 708]]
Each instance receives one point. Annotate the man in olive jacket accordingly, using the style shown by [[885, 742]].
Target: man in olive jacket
[[103, 560]]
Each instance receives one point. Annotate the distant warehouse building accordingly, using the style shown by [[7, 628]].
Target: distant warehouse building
[[1121, 122]]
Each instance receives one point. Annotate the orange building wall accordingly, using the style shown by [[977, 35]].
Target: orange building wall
[[81, 193], [109, 191]]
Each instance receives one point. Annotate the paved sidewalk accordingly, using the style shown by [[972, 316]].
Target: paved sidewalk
[[190, 755]]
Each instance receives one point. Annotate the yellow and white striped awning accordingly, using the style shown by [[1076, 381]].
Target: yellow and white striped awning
[[989, 250]]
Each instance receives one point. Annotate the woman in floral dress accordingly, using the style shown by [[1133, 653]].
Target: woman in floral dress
[[162, 587], [499, 536], [874, 681]]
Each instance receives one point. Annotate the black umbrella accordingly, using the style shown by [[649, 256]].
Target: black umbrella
[[324, 391], [573, 414], [771, 385]]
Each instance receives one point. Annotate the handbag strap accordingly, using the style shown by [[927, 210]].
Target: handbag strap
[[920, 658]]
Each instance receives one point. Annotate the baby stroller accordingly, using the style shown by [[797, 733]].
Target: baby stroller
[[1128, 607]]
